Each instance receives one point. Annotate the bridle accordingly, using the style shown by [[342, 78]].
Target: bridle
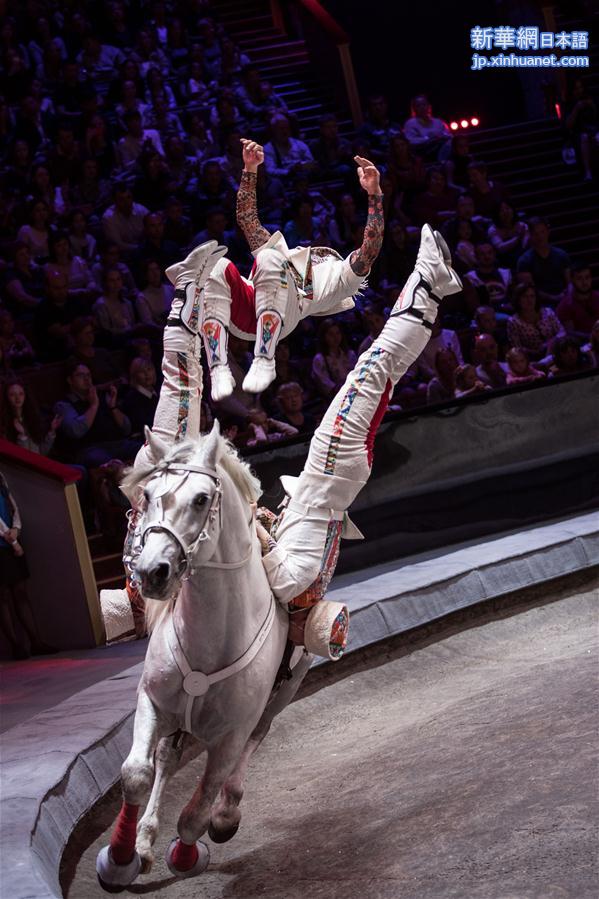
[[186, 567]]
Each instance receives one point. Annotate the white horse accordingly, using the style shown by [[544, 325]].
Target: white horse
[[217, 641]]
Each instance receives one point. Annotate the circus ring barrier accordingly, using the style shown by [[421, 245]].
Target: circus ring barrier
[[540, 443], [62, 585]]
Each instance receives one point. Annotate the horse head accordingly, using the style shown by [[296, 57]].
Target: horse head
[[182, 520]]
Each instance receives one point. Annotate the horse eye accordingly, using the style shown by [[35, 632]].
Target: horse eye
[[200, 499], [147, 495]]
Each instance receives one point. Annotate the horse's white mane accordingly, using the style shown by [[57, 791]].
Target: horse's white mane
[[240, 473]]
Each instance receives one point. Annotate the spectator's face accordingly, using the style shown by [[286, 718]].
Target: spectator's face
[[66, 140], [528, 300], [61, 250], [16, 397], [468, 377], [124, 202], [378, 108], [78, 223], [42, 179], [464, 230], [146, 377], [217, 223], [291, 400], [485, 256], [21, 153], [154, 274], [174, 212], [486, 349], [436, 182], [477, 178], [111, 255], [539, 236], [422, 107], [506, 215], [487, 321], [465, 208], [57, 287], [154, 227], [583, 282], [446, 363], [281, 130], [333, 338], [347, 206], [329, 129], [85, 337], [518, 363], [113, 283], [90, 170], [80, 381], [39, 216]]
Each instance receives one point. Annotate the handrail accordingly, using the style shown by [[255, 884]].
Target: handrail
[[324, 18], [56, 470]]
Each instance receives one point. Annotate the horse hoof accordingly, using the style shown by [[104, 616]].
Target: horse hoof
[[112, 877], [222, 836], [173, 853]]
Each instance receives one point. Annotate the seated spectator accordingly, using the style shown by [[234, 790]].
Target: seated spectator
[[267, 430], [290, 398], [485, 322], [404, 166], [568, 358], [487, 195], [177, 226], [82, 243], [80, 282], [591, 349], [65, 157], [256, 99], [342, 228], [178, 166], [488, 369], [197, 89], [156, 86], [15, 349], [579, 309], [332, 154], [458, 160], [140, 402], [199, 142], [493, 284], [548, 266], [36, 232], [441, 388], [395, 263], [303, 228], [464, 211], [53, 317], [18, 172], [225, 116], [23, 282], [334, 361], [465, 251], [90, 193], [43, 188], [154, 246], [437, 203], [581, 123], [285, 155], [130, 102], [211, 47], [374, 318], [508, 235], [123, 222], [100, 61], [161, 118], [93, 429], [520, 371], [148, 55], [466, 382], [21, 420], [378, 129], [113, 312], [216, 228], [154, 302], [231, 63], [441, 339], [99, 360], [533, 327], [211, 189], [110, 257], [426, 134], [136, 140], [99, 146]]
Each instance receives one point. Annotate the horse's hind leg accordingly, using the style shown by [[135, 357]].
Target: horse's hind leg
[[119, 864], [167, 758], [186, 856], [226, 814]]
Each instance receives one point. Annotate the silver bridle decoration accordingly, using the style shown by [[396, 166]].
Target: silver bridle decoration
[[159, 524]]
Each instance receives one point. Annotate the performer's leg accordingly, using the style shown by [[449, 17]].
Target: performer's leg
[[270, 281], [340, 456], [216, 319]]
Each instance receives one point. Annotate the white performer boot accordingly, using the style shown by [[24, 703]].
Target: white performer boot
[[189, 279], [263, 369], [215, 335]]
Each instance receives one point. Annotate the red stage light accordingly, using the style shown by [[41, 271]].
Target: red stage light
[[454, 126], [474, 121], [464, 123]]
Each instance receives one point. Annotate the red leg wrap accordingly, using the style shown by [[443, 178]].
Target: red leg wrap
[[184, 857], [122, 844], [376, 421]]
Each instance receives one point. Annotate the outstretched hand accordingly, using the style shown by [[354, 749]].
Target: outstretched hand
[[369, 175], [253, 155]]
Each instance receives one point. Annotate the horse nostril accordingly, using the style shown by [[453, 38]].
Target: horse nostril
[[161, 572]]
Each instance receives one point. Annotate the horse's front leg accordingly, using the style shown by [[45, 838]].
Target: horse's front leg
[[119, 864], [226, 814], [186, 856]]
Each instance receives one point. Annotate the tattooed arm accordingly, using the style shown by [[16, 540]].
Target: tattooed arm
[[361, 260], [247, 212]]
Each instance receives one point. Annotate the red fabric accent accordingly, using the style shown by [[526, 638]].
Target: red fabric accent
[[122, 844], [376, 421], [243, 302], [34, 461], [183, 856]]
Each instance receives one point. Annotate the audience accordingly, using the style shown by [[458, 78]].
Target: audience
[[548, 266], [532, 327], [520, 370], [334, 361], [579, 309]]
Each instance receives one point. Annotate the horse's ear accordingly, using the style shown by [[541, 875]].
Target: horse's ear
[[213, 447], [158, 448]]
